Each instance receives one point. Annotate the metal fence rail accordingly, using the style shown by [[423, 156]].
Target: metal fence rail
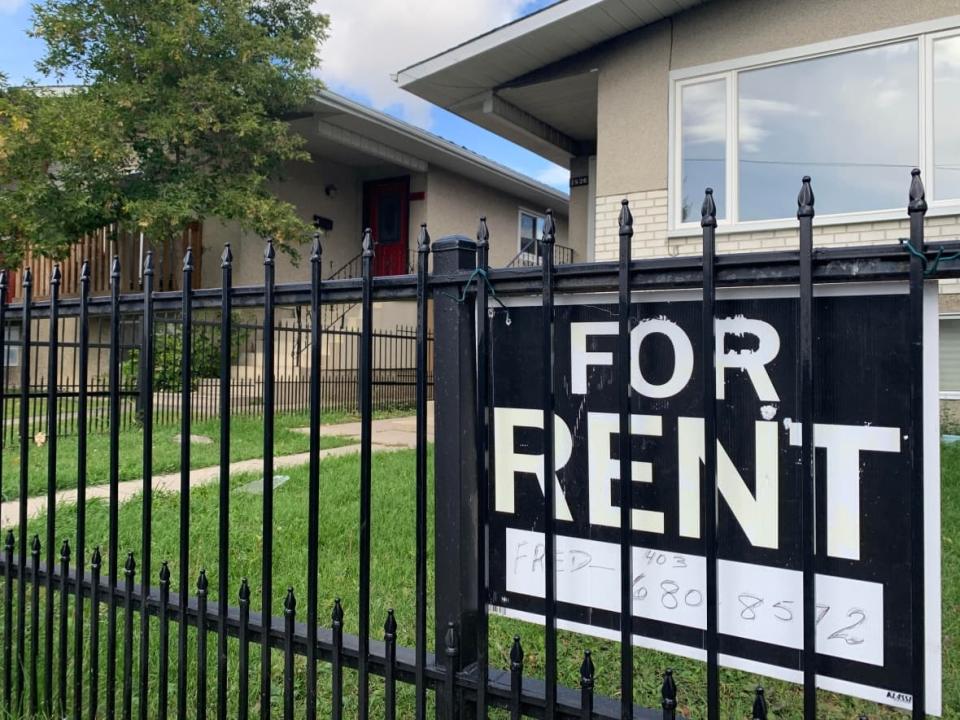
[[394, 380], [456, 676]]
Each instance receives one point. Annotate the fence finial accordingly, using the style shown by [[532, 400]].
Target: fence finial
[[269, 253], [483, 233], [202, 582], [35, 545], [10, 541], [27, 277], [805, 199], [367, 243], [226, 259], [337, 615], [549, 229], [390, 626], [516, 654], [918, 195], [115, 269], [290, 602], [625, 221], [164, 572], [148, 263], [96, 559], [85, 271], [668, 691], [423, 239], [130, 566], [188, 259], [65, 551], [587, 670], [759, 705], [316, 250], [3, 284], [56, 276], [244, 590], [708, 211]]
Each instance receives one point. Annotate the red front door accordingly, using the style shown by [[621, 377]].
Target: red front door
[[387, 204]]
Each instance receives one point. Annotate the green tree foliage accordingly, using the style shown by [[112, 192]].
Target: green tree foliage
[[182, 115]]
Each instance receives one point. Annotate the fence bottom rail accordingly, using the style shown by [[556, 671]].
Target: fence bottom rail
[[532, 695]]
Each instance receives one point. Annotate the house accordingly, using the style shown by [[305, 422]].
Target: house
[[370, 170], [366, 170], [654, 101]]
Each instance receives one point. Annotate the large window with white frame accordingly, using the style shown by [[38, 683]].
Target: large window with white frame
[[855, 118]]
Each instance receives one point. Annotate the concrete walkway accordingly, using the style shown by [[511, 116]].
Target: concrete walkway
[[392, 434]]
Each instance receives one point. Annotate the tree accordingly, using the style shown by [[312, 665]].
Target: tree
[[181, 115]]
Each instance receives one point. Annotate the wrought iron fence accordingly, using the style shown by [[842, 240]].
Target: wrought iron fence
[[456, 678], [394, 381]]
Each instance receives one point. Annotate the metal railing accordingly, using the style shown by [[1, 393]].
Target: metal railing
[[457, 674], [532, 252], [393, 382]]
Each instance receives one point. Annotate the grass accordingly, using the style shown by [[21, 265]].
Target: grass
[[392, 568], [246, 442]]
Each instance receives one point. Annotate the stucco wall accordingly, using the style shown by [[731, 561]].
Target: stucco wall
[[451, 204], [455, 205], [303, 185]]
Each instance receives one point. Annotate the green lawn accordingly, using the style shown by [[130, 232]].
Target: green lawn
[[246, 442], [393, 586]]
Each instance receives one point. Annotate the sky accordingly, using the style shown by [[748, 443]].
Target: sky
[[368, 41]]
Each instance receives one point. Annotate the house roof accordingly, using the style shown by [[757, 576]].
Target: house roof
[[361, 134], [478, 79], [355, 134]]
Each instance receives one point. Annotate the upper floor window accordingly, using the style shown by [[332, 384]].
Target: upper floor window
[[856, 120]]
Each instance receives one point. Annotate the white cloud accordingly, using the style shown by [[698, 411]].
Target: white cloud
[[555, 176], [9, 7], [370, 39]]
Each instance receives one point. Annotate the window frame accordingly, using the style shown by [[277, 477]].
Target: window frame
[[521, 211], [926, 34], [952, 317]]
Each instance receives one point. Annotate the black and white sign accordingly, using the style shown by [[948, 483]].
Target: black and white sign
[[862, 417]]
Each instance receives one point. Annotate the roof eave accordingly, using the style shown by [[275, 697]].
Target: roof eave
[[500, 175]]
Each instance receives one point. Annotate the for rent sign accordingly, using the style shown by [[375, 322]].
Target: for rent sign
[[862, 412]]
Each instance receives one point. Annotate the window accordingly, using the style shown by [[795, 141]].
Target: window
[[950, 357], [531, 233], [11, 346], [946, 111], [704, 153], [856, 120]]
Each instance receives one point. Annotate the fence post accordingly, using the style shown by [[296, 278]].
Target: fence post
[[455, 492]]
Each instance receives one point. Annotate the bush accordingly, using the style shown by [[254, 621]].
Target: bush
[[168, 351]]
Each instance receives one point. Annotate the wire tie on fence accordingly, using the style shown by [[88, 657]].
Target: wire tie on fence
[[476, 275], [929, 267]]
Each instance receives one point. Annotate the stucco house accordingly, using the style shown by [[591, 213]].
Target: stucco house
[[367, 169], [654, 101]]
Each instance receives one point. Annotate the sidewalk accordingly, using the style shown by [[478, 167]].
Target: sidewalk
[[391, 434]]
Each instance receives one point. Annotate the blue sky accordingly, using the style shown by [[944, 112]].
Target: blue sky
[[364, 79]]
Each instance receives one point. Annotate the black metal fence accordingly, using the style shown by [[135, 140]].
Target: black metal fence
[[394, 381], [456, 678]]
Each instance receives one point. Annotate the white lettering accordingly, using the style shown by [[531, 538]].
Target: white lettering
[[758, 515], [509, 462], [682, 358], [581, 358], [603, 469], [752, 361]]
